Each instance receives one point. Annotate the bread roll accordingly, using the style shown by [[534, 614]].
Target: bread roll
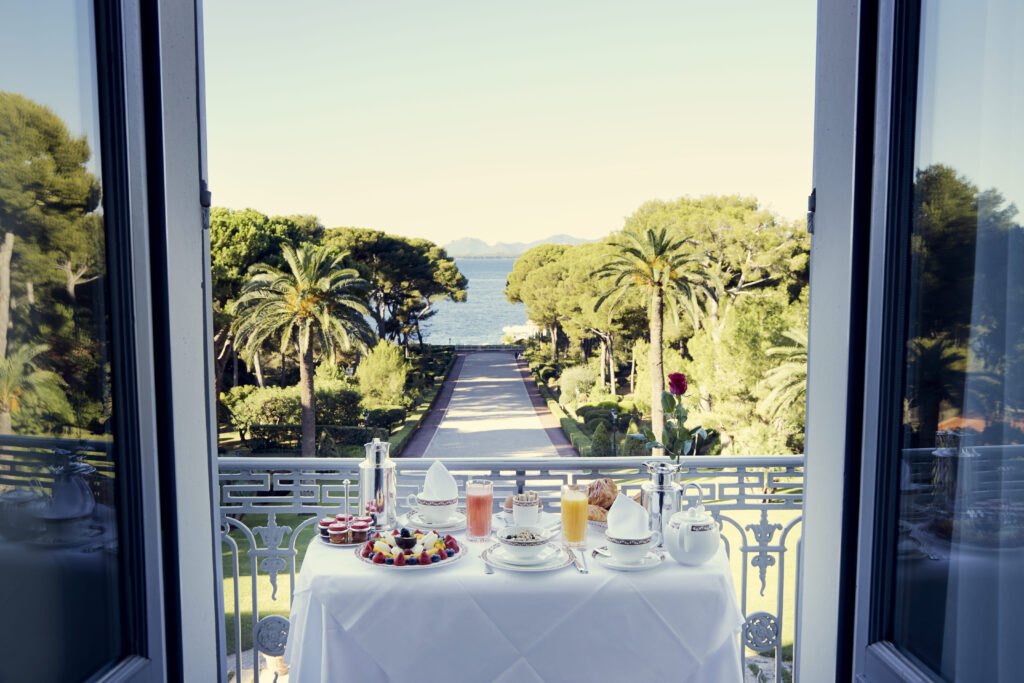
[[596, 513], [602, 493]]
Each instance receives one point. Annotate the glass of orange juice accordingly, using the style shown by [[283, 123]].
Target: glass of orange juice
[[574, 514], [479, 506]]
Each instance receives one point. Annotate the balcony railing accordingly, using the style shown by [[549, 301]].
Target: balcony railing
[[757, 501]]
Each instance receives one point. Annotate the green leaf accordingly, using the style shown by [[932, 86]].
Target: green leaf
[[651, 445], [687, 446], [668, 402], [649, 433], [638, 437]]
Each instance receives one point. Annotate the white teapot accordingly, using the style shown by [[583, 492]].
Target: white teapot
[[692, 535]]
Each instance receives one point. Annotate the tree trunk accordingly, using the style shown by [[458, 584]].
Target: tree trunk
[[632, 371], [283, 357], [657, 370], [5, 421], [306, 398], [604, 359], [234, 371], [554, 342], [6, 251], [257, 368], [611, 365]]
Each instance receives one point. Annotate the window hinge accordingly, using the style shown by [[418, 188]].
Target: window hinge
[[205, 201], [810, 211]]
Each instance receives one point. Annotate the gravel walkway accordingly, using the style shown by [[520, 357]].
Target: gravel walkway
[[490, 412]]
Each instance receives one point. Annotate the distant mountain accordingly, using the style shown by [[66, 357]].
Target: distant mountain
[[471, 247]]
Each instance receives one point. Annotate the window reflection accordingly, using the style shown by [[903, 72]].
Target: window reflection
[[959, 574], [59, 572]]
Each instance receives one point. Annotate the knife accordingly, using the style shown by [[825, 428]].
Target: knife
[[581, 568]]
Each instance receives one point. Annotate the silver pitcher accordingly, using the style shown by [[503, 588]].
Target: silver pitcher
[[660, 496], [378, 485]]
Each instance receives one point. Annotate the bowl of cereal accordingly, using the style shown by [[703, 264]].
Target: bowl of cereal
[[523, 543]]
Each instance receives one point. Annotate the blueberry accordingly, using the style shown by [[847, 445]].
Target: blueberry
[[450, 552], [404, 532], [435, 558], [412, 559], [389, 560]]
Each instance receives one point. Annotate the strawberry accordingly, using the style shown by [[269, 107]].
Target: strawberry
[[449, 539], [400, 560], [378, 558], [424, 558], [395, 532], [367, 549]]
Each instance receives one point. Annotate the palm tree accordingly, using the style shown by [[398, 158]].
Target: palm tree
[[787, 382], [316, 301], [21, 379], [651, 262]]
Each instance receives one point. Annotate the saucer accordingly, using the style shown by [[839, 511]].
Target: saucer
[[562, 557], [649, 561], [412, 519], [542, 557]]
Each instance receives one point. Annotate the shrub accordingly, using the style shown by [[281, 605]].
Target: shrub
[[382, 375], [385, 418], [231, 399], [579, 379], [631, 446], [335, 405], [600, 442]]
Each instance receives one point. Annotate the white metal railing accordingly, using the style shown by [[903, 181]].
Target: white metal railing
[[757, 501]]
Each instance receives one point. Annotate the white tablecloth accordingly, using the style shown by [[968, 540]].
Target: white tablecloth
[[354, 622]]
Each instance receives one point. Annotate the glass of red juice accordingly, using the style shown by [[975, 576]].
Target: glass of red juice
[[479, 507]]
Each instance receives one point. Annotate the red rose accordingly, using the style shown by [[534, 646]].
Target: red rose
[[677, 384]]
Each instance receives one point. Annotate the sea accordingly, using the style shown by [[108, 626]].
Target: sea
[[485, 316]]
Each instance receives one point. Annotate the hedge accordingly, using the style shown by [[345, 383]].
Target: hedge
[[329, 437], [577, 437], [400, 439]]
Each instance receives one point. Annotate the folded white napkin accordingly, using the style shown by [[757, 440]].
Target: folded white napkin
[[439, 483], [627, 519]]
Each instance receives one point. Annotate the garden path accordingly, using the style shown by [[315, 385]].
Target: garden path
[[490, 409]]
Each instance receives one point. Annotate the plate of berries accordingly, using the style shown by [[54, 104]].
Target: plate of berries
[[408, 549]]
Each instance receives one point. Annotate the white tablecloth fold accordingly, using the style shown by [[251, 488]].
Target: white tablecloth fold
[[354, 622]]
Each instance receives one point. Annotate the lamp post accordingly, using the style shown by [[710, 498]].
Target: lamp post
[[615, 429]]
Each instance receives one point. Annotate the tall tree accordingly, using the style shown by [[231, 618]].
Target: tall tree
[[240, 239], [406, 276], [315, 302], [534, 282], [650, 261]]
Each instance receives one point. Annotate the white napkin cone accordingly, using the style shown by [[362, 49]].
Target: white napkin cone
[[627, 519], [439, 483]]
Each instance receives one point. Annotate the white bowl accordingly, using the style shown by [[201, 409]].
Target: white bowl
[[523, 550]]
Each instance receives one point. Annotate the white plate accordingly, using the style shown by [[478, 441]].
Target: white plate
[[562, 558], [600, 526], [327, 542], [412, 567], [412, 521], [651, 560], [543, 556]]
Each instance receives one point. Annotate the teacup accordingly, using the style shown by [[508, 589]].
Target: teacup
[[631, 550], [431, 510], [525, 511]]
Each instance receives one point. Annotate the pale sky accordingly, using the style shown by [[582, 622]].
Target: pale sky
[[508, 121]]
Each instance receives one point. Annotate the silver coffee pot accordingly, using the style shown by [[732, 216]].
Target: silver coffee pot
[[378, 485], [660, 496]]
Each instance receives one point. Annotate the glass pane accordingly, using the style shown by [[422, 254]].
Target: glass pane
[[959, 572], [59, 575]]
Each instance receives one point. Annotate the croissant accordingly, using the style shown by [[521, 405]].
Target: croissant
[[597, 514], [602, 492]]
